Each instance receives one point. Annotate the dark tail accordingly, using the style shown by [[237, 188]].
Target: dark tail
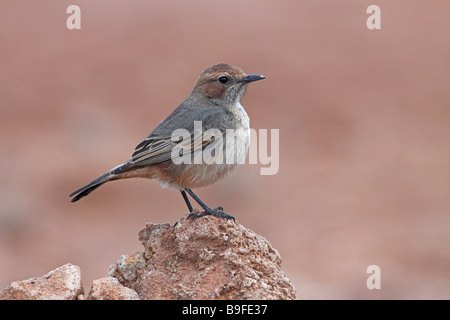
[[84, 191], [114, 174]]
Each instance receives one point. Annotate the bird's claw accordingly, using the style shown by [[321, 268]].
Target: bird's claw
[[218, 212]]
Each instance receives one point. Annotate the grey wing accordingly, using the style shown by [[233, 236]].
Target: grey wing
[[153, 149], [158, 145], [156, 149]]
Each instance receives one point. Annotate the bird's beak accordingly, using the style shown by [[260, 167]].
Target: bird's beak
[[251, 78]]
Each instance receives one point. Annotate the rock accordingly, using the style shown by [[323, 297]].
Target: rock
[[204, 258], [63, 283], [109, 288]]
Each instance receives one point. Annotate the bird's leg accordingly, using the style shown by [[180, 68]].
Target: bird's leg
[[186, 199], [218, 212]]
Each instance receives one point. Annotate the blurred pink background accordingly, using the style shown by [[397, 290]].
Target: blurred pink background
[[363, 115]]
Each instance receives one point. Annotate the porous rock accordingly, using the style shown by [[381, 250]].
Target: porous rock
[[204, 258], [63, 283], [109, 288]]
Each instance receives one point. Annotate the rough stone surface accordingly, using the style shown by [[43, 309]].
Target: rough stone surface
[[63, 283], [109, 288], [204, 258]]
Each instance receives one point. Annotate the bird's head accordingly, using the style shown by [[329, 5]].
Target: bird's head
[[223, 83]]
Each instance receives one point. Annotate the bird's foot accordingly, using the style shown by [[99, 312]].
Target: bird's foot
[[218, 212]]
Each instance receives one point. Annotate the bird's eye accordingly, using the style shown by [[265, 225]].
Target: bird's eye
[[223, 79]]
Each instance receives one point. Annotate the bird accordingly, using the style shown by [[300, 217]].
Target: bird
[[209, 115]]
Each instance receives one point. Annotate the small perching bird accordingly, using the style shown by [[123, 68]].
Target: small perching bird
[[211, 114]]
